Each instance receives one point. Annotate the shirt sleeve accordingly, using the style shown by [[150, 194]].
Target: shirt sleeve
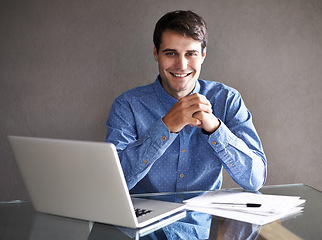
[[137, 153], [237, 145]]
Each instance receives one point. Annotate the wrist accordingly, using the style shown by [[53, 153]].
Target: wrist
[[170, 128], [212, 129]]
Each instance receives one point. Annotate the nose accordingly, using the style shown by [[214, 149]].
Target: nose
[[181, 62]]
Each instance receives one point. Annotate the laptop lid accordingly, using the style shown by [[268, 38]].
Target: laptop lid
[[82, 180], [76, 179]]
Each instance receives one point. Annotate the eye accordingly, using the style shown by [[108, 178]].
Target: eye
[[169, 53], [191, 54]]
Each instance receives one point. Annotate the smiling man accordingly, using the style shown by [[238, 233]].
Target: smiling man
[[180, 60], [178, 133]]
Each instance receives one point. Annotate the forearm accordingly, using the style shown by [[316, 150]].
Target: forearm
[[138, 156], [246, 163]]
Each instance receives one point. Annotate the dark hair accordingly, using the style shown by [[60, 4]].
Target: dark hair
[[187, 23]]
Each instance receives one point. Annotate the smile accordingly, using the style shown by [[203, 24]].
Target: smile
[[180, 75]]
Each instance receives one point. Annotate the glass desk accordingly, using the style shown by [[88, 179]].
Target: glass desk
[[18, 220]]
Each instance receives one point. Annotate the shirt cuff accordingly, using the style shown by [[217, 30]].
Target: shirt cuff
[[220, 138], [161, 135]]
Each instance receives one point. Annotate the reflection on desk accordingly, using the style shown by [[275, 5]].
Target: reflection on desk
[[194, 227], [227, 229], [20, 221], [58, 228]]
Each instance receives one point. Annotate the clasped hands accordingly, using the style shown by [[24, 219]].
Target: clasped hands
[[193, 110]]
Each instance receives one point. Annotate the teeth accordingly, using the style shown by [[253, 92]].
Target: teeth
[[180, 75]]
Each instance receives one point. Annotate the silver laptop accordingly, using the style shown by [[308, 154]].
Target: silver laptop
[[84, 180]]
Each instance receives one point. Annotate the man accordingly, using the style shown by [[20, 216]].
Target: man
[[177, 133]]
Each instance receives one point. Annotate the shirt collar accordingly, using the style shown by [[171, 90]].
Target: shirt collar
[[166, 99]]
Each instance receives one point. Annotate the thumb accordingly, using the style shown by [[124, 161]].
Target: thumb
[[195, 122]]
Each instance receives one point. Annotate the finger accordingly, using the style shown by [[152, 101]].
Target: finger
[[209, 121], [199, 107], [195, 98], [200, 99], [194, 122]]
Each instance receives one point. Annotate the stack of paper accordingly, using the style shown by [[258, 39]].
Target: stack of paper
[[248, 207]]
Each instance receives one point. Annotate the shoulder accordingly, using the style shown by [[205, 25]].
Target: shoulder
[[136, 93], [211, 88]]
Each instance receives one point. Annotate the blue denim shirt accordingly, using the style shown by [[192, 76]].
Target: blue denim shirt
[[155, 160]]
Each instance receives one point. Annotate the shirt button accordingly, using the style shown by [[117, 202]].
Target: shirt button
[[230, 164], [181, 175], [184, 150], [164, 138], [144, 161], [213, 143]]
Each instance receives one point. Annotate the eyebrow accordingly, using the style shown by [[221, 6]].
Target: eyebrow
[[169, 50], [174, 50]]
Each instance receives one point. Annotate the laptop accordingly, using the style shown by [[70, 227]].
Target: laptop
[[84, 180]]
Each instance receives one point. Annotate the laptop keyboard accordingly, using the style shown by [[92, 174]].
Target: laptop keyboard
[[140, 212]]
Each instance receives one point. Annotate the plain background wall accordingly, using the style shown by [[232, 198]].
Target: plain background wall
[[63, 62]]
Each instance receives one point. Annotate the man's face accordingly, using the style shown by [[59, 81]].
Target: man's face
[[180, 60]]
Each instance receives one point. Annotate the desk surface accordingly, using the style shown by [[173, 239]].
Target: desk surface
[[18, 220]]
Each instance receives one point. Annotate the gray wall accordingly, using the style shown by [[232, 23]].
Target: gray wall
[[63, 62]]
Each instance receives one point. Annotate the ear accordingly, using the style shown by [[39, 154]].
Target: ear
[[203, 55], [155, 53]]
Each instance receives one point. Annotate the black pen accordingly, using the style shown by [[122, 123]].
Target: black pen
[[239, 204]]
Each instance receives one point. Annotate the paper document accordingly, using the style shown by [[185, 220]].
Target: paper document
[[248, 207]]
